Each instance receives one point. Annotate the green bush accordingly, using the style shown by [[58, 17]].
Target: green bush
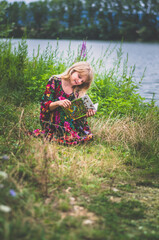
[[24, 79], [116, 91], [13, 63]]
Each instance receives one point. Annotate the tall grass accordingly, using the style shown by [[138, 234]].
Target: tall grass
[[59, 192], [55, 183], [138, 137], [24, 79]]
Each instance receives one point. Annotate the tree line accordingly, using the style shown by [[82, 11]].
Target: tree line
[[131, 20]]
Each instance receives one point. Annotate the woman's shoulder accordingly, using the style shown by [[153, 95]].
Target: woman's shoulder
[[54, 79], [54, 82]]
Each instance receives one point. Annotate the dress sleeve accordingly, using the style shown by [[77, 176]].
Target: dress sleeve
[[47, 98]]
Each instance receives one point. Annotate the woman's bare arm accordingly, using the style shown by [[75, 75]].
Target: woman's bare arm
[[63, 103]]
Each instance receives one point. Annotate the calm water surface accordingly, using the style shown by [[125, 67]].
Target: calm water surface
[[142, 55]]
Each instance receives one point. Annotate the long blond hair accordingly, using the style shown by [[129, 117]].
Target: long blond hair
[[85, 69]]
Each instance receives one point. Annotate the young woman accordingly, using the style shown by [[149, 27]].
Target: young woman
[[60, 91]]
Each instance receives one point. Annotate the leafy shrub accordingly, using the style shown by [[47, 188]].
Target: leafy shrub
[[13, 63], [24, 79], [116, 91]]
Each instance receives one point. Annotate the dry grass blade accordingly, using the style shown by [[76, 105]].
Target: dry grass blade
[[126, 131]]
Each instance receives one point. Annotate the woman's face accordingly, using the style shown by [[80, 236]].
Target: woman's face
[[77, 79]]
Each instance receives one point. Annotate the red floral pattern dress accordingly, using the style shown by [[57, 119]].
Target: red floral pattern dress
[[56, 126]]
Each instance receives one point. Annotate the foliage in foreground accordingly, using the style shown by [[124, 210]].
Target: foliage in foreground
[[106, 189], [93, 191]]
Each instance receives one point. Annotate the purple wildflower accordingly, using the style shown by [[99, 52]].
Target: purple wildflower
[[4, 157], [83, 50], [12, 193]]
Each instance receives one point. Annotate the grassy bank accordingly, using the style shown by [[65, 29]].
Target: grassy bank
[[106, 189]]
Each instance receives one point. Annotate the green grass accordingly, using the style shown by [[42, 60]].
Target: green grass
[[83, 192], [105, 189]]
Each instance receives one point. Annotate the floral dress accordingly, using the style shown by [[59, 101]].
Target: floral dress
[[56, 126]]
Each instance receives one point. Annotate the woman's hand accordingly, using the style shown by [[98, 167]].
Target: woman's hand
[[90, 113], [64, 103]]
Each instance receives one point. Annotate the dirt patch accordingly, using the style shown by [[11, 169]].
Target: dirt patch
[[79, 211]]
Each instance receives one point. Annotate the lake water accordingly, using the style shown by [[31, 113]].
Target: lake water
[[142, 55]]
